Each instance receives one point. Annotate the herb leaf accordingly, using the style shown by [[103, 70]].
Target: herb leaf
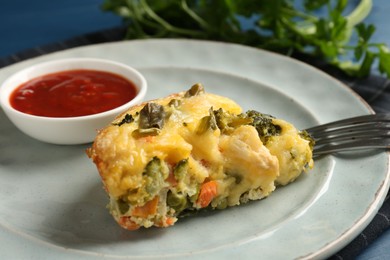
[[152, 115], [207, 123], [126, 120], [277, 25], [195, 90]]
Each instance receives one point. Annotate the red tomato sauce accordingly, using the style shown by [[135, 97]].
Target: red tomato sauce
[[72, 93]]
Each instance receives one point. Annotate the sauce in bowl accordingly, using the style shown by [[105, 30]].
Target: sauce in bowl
[[72, 93]]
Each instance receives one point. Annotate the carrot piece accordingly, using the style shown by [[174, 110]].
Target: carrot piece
[[150, 208], [207, 193], [168, 221], [128, 224]]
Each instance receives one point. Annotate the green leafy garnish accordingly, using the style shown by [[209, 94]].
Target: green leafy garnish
[[195, 90], [227, 122], [138, 133], [152, 115], [126, 120], [174, 103], [284, 26], [207, 123], [151, 120]]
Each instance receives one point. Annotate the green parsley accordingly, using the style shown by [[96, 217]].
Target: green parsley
[[126, 120], [284, 26]]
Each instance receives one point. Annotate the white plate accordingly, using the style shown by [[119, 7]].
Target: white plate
[[52, 203]]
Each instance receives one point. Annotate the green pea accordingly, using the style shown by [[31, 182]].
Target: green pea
[[176, 201]]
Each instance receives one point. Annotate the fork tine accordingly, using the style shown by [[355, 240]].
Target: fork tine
[[351, 121], [362, 132], [352, 145], [350, 129], [338, 136]]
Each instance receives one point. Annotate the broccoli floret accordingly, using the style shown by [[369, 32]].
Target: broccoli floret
[[154, 175], [264, 125], [305, 135]]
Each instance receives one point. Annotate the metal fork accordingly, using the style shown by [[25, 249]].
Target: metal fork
[[362, 132]]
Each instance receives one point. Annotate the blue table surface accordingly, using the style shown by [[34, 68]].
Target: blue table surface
[[26, 24]]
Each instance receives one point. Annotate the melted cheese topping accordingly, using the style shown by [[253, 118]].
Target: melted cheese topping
[[293, 152]]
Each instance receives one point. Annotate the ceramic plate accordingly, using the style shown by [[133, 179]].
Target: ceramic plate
[[52, 203]]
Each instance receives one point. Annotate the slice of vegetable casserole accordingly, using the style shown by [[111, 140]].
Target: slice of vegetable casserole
[[193, 150]]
